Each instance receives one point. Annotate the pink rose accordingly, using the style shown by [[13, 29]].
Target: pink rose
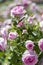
[[26, 2], [4, 33], [3, 44], [20, 24], [33, 7], [29, 45], [18, 11], [30, 20], [29, 58], [13, 35], [40, 44]]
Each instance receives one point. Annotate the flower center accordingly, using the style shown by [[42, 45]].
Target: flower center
[[31, 59], [30, 45]]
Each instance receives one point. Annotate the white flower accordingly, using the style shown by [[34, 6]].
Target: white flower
[[41, 25], [7, 22], [8, 27]]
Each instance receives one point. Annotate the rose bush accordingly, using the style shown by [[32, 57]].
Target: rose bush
[[23, 32]]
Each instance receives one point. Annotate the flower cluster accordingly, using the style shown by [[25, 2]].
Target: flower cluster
[[23, 31], [30, 57]]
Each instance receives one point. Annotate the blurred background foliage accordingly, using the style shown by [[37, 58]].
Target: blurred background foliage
[[4, 4]]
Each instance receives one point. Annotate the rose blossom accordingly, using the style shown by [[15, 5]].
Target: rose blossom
[[18, 11], [8, 27], [30, 20], [26, 2], [20, 24], [29, 45], [3, 44], [7, 22], [13, 35], [33, 7], [38, 17], [40, 44], [29, 58], [4, 33]]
